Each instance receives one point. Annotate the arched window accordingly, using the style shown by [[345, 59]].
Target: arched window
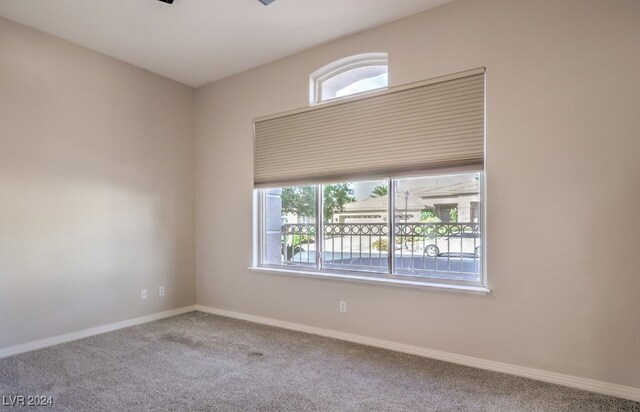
[[349, 76]]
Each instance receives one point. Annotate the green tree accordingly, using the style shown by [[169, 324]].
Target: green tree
[[335, 197], [378, 191], [453, 215], [428, 216], [301, 200]]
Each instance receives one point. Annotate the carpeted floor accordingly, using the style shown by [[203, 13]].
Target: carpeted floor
[[201, 362]]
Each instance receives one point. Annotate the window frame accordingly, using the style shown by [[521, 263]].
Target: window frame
[[341, 66], [389, 276]]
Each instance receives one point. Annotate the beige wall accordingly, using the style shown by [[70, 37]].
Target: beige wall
[[96, 188], [563, 150]]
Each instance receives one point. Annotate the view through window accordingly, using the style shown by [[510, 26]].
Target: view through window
[[433, 234], [354, 81]]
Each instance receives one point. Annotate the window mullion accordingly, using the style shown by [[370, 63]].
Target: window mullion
[[261, 215], [319, 228], [392, 225]]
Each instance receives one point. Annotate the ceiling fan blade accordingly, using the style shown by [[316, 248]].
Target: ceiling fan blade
[[265, 2]]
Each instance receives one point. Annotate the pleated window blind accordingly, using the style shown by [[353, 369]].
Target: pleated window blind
[[429, 125]]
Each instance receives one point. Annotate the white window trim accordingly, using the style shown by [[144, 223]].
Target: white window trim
[[380, 278], [340, 66], [325, 275]]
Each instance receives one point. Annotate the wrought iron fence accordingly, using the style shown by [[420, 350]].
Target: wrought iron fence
[[433, 248]]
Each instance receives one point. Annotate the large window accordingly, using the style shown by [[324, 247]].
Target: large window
[[433, 234], [324, 209]]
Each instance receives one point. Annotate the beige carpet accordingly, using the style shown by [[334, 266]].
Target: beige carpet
[[201, 362]]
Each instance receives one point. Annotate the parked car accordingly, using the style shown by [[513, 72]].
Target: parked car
[[461, 244]]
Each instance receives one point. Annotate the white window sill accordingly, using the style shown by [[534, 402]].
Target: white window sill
[[374, 280]]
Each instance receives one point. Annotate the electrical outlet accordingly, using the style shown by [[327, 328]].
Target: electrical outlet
[[143, 294], [343, 306], [161, 291]]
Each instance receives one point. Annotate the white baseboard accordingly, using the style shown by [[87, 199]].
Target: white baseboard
[[626, 392], [56, 340]]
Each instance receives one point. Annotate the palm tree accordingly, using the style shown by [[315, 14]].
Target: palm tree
[[378, 191]]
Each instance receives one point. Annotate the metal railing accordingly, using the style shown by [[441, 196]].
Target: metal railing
[[447, 249]]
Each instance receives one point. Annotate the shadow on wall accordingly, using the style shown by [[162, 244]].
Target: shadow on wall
[[72, 246], [613, 272]]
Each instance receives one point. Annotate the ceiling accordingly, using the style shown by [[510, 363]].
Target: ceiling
[[200, 41]]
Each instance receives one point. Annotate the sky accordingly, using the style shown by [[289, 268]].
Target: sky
[[364, 85]]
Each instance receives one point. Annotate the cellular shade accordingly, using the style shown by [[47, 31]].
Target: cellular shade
[[429, 125]]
